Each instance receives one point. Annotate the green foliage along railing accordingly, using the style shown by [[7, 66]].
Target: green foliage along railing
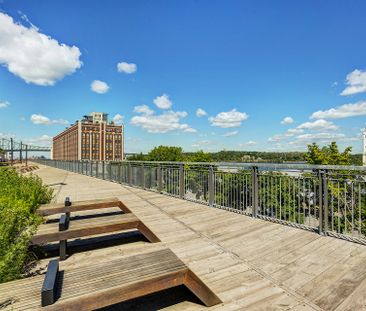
[[19, 198], [328, 199]]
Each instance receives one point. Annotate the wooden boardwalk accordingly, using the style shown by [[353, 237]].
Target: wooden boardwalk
[[250, 264]]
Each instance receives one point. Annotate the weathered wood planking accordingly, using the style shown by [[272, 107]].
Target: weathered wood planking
[[93, 226], [58, 208], [244, 279], [99, 285]]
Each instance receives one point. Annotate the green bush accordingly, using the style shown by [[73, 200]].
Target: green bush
[[20, 196]]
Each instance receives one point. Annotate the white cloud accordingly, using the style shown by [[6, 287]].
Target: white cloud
[[233, 133], [295, 131], [287, 120], [356, 81], [7, 135], [200, 112], [248, 143], [318, 125], [202, 143], [126, 67], [44, 140], [34, 56], [41, 119], [99, 87], [4, 104], [320, 136], [163, 102], [117, 119], [166, 122], [344, 111], [144, 109], [232, 118], [276, 138]]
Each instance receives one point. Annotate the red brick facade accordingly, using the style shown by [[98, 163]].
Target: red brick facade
[[89, 141]]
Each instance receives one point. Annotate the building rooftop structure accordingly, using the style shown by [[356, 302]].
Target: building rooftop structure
[[91, 138]]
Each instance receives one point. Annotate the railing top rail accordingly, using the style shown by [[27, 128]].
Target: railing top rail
[[263, 166]]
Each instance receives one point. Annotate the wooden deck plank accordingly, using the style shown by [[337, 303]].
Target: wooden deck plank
[[277, 260]]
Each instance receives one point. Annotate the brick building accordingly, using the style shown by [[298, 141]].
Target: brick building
[[91, 138]]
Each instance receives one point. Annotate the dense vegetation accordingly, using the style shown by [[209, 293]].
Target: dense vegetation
[[19, 198], [165, 153], [281, 195]]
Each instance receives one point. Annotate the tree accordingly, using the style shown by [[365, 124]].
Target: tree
[[328, 155], [137, 157], [200, 156], [166, 153]]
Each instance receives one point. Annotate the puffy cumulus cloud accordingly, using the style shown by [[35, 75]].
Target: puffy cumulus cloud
[[200, 112], [233, 133], [117, 119], [126, 67], [344, 111], [40, 140], [318, 125], [144, 109], [33, 56], [166, 122], [324, 137], [4, 104], [287, 120], [295, 131], [43, 120], [228, 119], [99, 87], [163, 102], [356, 81]]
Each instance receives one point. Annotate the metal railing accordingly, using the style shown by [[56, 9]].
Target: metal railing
[[330, 200]]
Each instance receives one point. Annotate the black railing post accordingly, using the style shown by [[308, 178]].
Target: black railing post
[[142, 176], [11, 152], [320, 198], [26, 155], [211, 186], [110, 171], [129, 174], [255, 191], [181, 181], [160, 179]]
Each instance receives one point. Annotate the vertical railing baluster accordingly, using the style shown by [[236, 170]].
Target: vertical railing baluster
[[255, 191]]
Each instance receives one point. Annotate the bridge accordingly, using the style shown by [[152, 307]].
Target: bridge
[[10, 146]]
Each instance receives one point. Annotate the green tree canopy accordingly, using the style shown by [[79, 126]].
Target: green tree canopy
[[166, 153], [200, 156], [137, 157], [328, 155]]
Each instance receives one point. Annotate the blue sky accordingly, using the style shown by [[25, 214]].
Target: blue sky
[[247, 65]]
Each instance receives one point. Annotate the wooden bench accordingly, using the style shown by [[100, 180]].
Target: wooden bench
[[68, 206], [104, 284], [64, 230]]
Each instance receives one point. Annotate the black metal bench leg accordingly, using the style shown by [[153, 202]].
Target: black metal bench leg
[[63, 249]]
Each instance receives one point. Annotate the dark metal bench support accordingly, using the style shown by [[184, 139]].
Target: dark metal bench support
[[63, 249], [63, 225], [49, 287]]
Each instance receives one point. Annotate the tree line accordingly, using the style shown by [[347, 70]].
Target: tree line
[[315, 154]]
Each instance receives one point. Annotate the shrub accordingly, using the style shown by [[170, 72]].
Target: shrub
[[20, 197]]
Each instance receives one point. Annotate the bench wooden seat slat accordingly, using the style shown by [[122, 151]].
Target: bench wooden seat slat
[[58, 208], [86, 227], [104, 284]]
